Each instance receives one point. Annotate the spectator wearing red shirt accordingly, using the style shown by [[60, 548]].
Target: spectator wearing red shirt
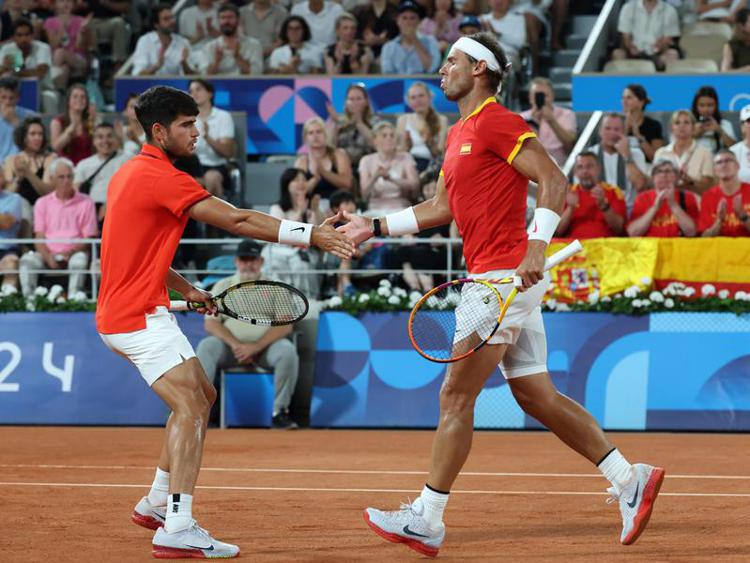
[[724, 207], [665, 211], [592, 208]]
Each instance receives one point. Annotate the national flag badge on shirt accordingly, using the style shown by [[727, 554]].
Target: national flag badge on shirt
[[465, 149]]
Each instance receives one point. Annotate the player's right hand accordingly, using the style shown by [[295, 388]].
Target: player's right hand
[[330, 240], [357, 228]]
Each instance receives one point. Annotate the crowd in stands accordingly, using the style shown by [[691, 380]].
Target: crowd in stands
[[642, 177]]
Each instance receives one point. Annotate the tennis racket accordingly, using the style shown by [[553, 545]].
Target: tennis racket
[[259, 302], [435, 325]]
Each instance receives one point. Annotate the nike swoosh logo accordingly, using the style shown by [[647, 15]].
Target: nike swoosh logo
[[534, 230], [205, 548], [408, 531], [298, 229], [632, 503]]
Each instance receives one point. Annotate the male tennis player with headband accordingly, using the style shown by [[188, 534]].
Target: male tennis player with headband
[[490, 157], [148, 204]]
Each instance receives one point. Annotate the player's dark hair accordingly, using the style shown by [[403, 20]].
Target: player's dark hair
[[162, 105], [287, 177], [338, 197], [20, 132], [488, 40]]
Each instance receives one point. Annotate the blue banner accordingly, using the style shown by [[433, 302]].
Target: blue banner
[[668, 92], [277, 108], [660, 372], [28, 96], [55, 369]]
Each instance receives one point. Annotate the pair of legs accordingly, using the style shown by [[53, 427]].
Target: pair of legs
[[32, 261], [67, 64], [660, 60], [9, 262], [535, 394]]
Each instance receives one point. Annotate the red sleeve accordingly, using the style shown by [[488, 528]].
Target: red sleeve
[[640, 206], [178, 192], [617, 202], [708, 211], [505, 133]]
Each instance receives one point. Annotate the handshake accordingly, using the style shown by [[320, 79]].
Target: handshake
[[342, 233]]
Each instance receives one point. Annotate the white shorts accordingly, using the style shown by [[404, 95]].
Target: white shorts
[[522, 328], [155, 349]]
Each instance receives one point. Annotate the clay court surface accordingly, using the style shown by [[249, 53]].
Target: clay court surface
[[67, 495]]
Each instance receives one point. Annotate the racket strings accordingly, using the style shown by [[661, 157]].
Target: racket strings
[[265, 304]]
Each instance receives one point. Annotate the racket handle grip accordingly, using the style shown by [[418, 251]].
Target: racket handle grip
[[563, 254], [180, 306]]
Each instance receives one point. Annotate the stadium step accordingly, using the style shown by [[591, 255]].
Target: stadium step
[[574, 41], [565, 57], [582, 25], [560, 75]]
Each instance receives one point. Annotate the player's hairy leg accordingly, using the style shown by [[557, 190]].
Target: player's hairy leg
[[574, 425], [452, 443], [188, 393]]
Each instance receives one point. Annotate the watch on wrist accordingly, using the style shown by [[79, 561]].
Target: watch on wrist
[[743, 217], [629, 159], [376, 230]]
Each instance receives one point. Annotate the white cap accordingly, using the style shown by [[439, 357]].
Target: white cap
[[745, 113]]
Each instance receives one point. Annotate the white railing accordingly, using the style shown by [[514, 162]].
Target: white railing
[[94, 269]]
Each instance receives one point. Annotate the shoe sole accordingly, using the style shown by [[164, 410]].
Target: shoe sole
[[164, 552], [146, 521], [395, 538], [650, 492]]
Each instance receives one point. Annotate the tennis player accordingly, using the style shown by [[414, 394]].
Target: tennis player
[[148, 204], [490, 157]]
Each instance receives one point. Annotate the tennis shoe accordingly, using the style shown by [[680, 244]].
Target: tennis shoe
[[637, 500], [149, 516], [406, 526], [192, 543]]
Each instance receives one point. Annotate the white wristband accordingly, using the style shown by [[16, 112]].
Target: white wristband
[[295, 233], [544, 224], [402, 223]]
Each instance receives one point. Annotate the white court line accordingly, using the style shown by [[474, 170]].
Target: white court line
[[348, 490], [357, 471]]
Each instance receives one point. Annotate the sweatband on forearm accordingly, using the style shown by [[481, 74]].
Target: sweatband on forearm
[[295, 233], [402, 223], [544, 224]]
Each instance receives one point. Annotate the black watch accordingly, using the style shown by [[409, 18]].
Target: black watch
[[376, 227]]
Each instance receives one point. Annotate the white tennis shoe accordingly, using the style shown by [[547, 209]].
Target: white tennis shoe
[[149, 516], [191, 543], [407, 526], [637, 500]]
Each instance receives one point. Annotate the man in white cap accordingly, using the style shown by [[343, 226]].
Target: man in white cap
[[490, 156]]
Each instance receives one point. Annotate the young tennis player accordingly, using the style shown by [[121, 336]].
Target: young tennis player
[[490, 156], [148, 204]]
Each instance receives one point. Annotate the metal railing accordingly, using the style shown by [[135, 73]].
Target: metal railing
[[94, 269]]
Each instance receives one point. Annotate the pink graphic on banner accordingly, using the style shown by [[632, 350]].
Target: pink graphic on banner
[[312, 94], [273, 99]]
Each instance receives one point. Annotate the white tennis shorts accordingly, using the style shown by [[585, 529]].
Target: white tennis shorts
[[522, 328], [155, 349]]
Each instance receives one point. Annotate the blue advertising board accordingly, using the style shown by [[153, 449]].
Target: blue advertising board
[[277, 108], [668, 92], [55, 369], [659, 372], [28, 96]]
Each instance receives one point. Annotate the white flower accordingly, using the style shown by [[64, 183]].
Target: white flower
[[689, 292], [55, 292], [646, 303], [399, 292], [41, 291], [364, 298], [723, 294], [393, 300], [656, 297], [646, 280], [632, 291], [636, 303], [335, 301], [740, 296], [668, 303], [453, 299], [385, 283], [593, 297], [618, 296], [30, 306], [60, 300], [562, 307], [79, 296], [606, 299], [551, 304], [415, 296], [432, 301], [384, 291], [412, 303], [707, 290], [9, 289]]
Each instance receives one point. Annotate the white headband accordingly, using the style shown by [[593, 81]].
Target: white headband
[[477, 51]]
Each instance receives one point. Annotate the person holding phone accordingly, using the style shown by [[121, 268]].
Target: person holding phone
[[555, 126]]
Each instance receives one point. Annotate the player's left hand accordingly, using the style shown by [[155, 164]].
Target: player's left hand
[[358, 228], [531, 269], [199, 296]]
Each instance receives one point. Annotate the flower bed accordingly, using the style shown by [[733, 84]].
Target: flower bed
[[633, 301], [44, 299]]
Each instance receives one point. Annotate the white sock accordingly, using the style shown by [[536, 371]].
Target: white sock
[[616, 469], [179, 512], [434, 505], [159, 492]]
